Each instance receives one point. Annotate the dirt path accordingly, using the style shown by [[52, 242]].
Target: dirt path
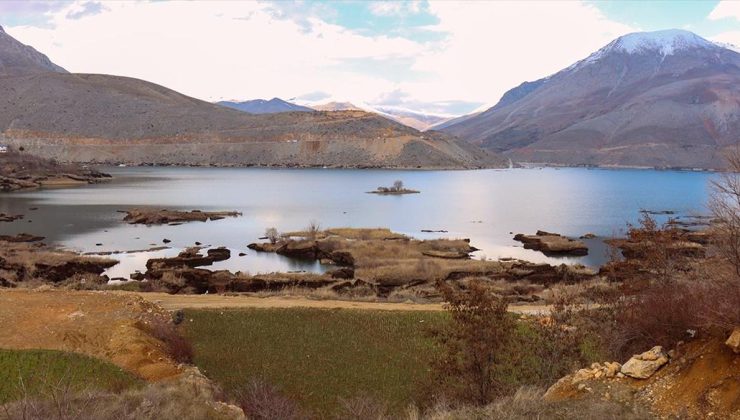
[[175, 302]]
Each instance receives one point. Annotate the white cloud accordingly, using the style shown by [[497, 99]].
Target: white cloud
[[726, 9], [241, 50], [213, 50], [730, 38], [494, 46]]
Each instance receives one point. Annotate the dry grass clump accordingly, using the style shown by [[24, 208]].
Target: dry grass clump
[[345, 233], [262, 401], [172, 400], [527, 403]]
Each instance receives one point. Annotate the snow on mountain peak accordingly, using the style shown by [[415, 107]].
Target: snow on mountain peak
[[666, 42]]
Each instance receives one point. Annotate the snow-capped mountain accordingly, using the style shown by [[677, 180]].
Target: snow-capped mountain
[[414, 119], [263, 106], [661, 99]]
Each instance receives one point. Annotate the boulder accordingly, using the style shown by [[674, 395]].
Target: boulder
[[299, 249], [643, 366], [552, 244], [264, 247], [219, 254], [734, 341]]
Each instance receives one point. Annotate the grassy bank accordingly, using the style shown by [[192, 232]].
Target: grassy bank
[[36, 372], [317, 356]]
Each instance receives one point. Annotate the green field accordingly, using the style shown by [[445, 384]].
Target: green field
[[317, 356], [38, 371]]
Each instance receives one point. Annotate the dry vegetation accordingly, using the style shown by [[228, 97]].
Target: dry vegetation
[[380, 264]]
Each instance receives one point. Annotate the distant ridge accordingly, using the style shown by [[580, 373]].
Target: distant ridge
[[111, 119], [262, 106]]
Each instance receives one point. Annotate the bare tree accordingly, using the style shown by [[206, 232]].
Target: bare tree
[[725, 207], [397, 185], [272, 235], [313, 229]]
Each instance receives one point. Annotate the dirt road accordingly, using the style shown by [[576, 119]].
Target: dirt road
[[175, 302]]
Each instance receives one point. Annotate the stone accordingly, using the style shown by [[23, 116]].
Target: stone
[[612, 369], [643, 366], [552, 244], [733, 341]]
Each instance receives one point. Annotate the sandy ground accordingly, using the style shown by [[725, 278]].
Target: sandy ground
[[100, 324], [175, 302]]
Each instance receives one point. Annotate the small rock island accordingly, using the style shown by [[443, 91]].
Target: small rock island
[[396, 189], [164, 216]]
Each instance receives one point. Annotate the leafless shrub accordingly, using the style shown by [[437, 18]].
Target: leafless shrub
[[397, 185], [312, 230], [262, 401], [363, 407], [725, 207], [272, 235], [178, 347]]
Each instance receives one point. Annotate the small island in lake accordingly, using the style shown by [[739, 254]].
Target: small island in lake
[[396, 189]]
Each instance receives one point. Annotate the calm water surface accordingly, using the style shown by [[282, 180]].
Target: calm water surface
[[486, 206]]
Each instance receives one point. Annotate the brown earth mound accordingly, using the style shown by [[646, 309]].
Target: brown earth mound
[[105, 325], [701, 380]]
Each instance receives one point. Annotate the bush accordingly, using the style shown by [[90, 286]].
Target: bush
[[262, 401], [363, 407], [474, 344], [178, 347], [272, 235]]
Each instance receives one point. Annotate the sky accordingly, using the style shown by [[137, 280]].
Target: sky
[[443, 57]]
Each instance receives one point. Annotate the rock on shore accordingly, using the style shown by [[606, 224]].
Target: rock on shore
[[552, 244]]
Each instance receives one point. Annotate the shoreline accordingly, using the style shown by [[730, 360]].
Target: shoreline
[[520, 165]]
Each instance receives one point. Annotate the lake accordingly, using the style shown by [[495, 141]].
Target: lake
[[487, 206]]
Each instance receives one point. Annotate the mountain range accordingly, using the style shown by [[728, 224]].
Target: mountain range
[[654, 99], [262, 106], [414, 119], [102, 118]]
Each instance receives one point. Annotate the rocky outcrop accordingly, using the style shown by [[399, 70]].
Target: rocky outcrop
[[643, 366], [190, 257], [318, 250], [552, 244], [733, 342], [164, 216], [680, 248], [10, 217], [22, 171], [451, 255], [21, 237], [32, 263]]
